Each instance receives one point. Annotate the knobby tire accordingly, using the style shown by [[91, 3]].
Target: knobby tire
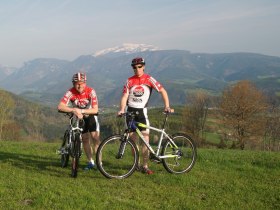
[[186, 151], [64, 159], [108, 162]]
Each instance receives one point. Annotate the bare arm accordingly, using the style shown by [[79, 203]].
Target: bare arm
[[63, 107], [165, 99], [93, 110], [123, 103]]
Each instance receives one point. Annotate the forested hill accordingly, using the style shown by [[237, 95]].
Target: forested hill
[[24, 120]]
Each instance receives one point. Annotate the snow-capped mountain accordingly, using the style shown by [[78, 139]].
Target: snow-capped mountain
[[126, 48]]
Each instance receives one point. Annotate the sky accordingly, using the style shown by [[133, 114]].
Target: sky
[[66, 29]]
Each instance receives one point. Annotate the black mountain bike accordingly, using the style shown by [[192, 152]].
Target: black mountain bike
[[72, 144], [118, 156]]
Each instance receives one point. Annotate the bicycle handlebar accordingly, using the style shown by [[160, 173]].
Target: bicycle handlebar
[[70, 114], [75, 123], [133, 114]]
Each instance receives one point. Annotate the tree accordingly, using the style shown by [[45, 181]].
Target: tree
[[271, 139], [195, 113], [34, 128], [6, 109], [11, 131], [242, 109]]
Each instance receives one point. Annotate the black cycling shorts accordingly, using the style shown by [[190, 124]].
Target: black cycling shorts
[[91, 124], [141, 116]]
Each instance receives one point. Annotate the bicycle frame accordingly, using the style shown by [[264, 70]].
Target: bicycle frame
[[133, 126]]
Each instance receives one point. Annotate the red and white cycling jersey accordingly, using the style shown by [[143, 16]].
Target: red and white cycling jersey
[[139, 90], [87, 99]]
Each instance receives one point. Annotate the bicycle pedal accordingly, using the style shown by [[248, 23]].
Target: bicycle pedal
[[61, 152], [156, 161]]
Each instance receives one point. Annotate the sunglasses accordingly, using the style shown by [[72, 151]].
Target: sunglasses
[[137, 67]]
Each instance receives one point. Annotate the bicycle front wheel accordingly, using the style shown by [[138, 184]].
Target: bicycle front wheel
[[111, 164], [76, 156], [185, 154]]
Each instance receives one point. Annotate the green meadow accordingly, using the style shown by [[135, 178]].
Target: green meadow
[[31, 178]]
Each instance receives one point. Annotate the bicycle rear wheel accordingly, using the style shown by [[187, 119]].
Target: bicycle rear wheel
[[64, 157], [186, 152], [76, 155], [110, 164]]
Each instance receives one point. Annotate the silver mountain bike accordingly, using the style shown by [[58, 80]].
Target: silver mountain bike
[[118, 155]]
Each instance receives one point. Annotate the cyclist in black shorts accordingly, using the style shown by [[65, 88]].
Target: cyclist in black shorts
[[81, 100], [136, 93]]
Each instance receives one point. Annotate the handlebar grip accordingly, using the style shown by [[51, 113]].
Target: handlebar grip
[[66, 113]]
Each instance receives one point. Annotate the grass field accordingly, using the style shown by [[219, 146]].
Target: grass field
[[31, 178]]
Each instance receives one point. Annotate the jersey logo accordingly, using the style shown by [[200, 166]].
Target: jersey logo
[[81, 103], [138, 91]]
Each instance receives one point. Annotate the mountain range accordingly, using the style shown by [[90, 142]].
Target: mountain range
[[46, 80], [5, 71]]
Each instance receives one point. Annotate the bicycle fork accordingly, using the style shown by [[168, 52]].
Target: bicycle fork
[[122, 146]]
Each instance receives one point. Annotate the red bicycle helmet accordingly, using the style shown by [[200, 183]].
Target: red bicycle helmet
[[79, 77], [137, 60]]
